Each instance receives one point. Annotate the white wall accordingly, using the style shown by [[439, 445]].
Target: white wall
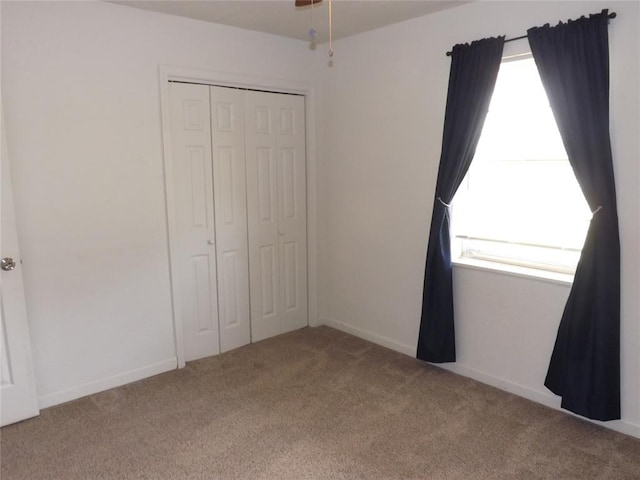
[[81, 99], [387, 93], [80, 89]]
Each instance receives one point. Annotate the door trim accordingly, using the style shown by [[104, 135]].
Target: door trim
[[169, 73]]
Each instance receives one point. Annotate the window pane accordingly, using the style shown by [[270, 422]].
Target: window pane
[[520, 124], [520, 187]]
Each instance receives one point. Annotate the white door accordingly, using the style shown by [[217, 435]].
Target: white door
[[207, 144], [18, 397], [276, 193], [230, 192], [196, 278]]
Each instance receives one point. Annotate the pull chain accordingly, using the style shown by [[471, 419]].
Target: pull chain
[[312, 31], [330, 31]]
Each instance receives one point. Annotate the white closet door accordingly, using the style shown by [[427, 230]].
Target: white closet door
[[292, 209], [276, 193], [230, 192], [18, 395], [262, 202], [195, 250]]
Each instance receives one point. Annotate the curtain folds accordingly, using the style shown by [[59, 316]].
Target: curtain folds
[[472, 78], [573, 61]]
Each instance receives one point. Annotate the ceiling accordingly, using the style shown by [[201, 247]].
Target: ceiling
[[281, 17]]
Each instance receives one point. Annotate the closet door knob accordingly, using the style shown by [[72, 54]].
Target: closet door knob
[[7, 264], [211, 242]]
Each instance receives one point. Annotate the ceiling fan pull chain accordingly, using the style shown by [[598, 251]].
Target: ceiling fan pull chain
[[330, 31], [312, 31]]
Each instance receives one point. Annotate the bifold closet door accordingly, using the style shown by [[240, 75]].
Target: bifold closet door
[[196, 276], [276, 200], [211, 249], [230, 192]]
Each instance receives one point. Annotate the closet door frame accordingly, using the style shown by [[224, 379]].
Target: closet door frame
[[169, 73]]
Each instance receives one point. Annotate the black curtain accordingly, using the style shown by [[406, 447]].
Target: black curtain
[[474, 69], [573, 61]]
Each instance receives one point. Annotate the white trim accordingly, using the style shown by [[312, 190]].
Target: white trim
[[516, 57], [62, 396], [171, 215], [545, 276], [312, 209], [542, 397], [372, 337], [225, 79]]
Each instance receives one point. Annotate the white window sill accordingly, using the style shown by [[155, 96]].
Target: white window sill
[[514, 271]]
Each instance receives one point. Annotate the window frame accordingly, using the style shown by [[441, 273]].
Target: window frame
[[508, 265]]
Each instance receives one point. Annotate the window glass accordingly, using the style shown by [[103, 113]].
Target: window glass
[[520, 201]]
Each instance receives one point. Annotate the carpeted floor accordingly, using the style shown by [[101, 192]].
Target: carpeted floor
[[311, 404]]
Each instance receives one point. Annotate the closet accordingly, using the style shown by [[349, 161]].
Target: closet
[[239, 191]]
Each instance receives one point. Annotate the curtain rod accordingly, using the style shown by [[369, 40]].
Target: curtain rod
[[611, 15]]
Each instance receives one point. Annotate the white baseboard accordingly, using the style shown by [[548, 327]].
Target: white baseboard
[[372, 337], [56, 398], [622, 426], [545, 398], [542, 397]]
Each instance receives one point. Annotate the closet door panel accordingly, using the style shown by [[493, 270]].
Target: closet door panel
[[262, 203], [292, 208], [276, 183], [196, 279], [229, 185]]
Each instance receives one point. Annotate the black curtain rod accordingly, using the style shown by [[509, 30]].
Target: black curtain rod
[[611, 15]]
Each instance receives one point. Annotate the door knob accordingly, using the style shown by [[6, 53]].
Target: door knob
[[211, 242], [7, 264]]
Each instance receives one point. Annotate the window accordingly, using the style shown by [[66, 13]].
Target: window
[[520, 202]]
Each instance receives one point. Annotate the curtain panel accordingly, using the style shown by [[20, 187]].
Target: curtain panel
[[573, 61], [472, 78]]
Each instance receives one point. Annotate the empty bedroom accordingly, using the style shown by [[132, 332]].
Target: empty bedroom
[[321, 239]]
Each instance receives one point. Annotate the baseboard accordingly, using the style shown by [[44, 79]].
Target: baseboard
[[56, 398], [315, 322], [372, 337], [622, 426], [537, 396], [318, 322], [544, 398]]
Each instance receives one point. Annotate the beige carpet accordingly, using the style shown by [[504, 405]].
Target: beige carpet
[[312, 404]]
